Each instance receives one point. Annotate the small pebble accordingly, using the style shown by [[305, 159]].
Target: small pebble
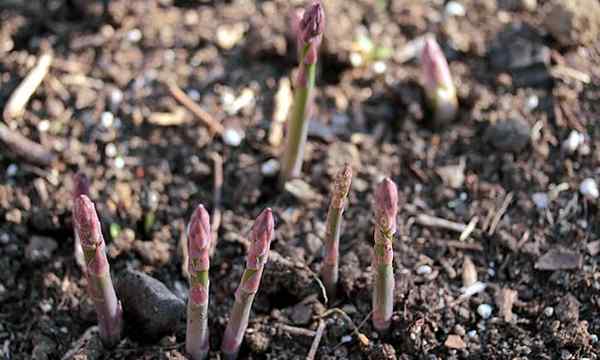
[[45, 306], [134, 35], [44, 126], [119, 162], [379, 67], [485, 311], [565, 355], [472, 333], [232, 137], [549, 311], [424, 270], [111, 150], [346, 339], [540, 200], [194, 94], [116, 97], [454, 8], [107, 119], [11, 170], [572, 142], [270, 167], [532, 102], [589, 189], [594, 338]]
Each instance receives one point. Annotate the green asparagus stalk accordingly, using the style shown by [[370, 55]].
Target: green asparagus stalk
[[100, 286], [81, 186], [437, 81], [199, 242], [386, 208], [260, 241], [329, 271], [310, 35]]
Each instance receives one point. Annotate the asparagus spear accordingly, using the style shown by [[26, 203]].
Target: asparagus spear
[[386, 208], [260, 241], [309, 36], [329, 271], [81, 186], [100, 286], [437, 81], [199, 242]]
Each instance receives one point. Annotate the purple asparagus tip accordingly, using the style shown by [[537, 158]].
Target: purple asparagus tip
[[87, 223], [435, 67], [260, 237], [199, 233], [312, 23], [386, 203]]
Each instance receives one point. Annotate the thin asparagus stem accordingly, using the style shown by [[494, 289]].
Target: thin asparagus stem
[[100, 286], [340, 189], [199, 242], [386, 208], [261, 236], [310, 34], [437, 81], [81, 186]]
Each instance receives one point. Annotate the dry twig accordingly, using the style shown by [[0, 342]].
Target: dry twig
[[213, 125], [23, 147], [315, 345]]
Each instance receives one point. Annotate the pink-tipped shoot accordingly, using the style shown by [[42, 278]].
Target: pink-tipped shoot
[[437, 82]]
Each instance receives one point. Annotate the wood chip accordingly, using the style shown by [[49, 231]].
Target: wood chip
[[469, 275], [455, 342], [505, 299], [559, 259], [15, 106], [174, 118]]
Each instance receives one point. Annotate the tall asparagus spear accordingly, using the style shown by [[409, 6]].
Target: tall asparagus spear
[[310, 34], [81, 186], [340, 189], [100, 286], [199, 242], [260, 241], [386, 208], [437, 81]]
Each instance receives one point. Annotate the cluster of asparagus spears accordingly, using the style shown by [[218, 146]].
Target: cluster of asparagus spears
[[90, 247]]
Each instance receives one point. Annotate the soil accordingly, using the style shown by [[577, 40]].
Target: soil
[[522, 91]]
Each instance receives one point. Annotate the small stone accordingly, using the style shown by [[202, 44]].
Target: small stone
[[301, 190], [549, 311], [110, 150], [233, 137], [594, 338], [508, 136], [454, 8], [472, 333], [518, 47], [229, 35], [572, 142], [593, 247], [313, 244], [301, 314], [12, 170], [541, 200], [44, 126], [573, 22], [485, 311], [424, 270], [459, 330], [134, 35], [40, 248], [149, 305], [455, 342], [589, 189], [559, 259], [107, 119], [565, 355], [119, 162], [453, 175], [379, 67], [270, 167], [567, 309], [532, 102]]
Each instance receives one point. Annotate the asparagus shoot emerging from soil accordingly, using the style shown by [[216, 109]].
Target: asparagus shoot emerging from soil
[[386, 208], [310, 35], [260, 241], [437, 81], [199, 242], [100, 286], [329, 271], [81, 186]]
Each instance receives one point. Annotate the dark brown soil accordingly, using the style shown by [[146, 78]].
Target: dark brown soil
[[95, 110]]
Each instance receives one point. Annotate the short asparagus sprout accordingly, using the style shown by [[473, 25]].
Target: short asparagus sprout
[[309, 36], [261, 236], [340, 189], [100, 286], [386, 208], [437, 81], [199, 242], [81, 186]]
